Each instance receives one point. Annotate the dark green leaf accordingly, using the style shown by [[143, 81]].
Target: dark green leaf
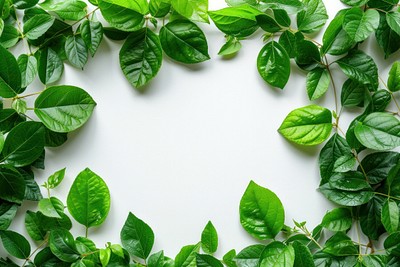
[[54, 139], [345, 163], [187, 256], [394, 77], [353, 93], [288, 41], [307, 55], [141, 57], [310, 125], [203, 260], [64, 108], [7, 214], [12, 185], [50, 66], [63, 246], [268, 23], [209, 239], [261, 212], [377, 165], [137, 237], [273, 64], [370, 218], [349, 181], [354, 2], [303, 256], [28, 68], [390, 216], [115, 34], [290, 6], [340, 245], [338, 219], [392, 244], [76, 51], [89, 199], [385, 5], [282, 17], [92, 35], [9, 118], [10, 76], [32, 190], [345, 197], [15, 244], [318, 81], [387, 39], [33, 225], [313, 17], [336, 41], [250, 256], [184, 42], [124, 15], [155, 260], [23, 4]]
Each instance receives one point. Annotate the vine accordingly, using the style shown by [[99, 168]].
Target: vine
[[359, 168]]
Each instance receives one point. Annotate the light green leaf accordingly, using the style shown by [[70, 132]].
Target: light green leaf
[[203, 260], [250, 256], [155, 260], [261, 212], [354, 2], [19, 105], [277, 254], [124, 15], [290, 6], [195, 10], [187, 256], [105, 255], [359, 25], [38, 25], [24, 144], [10, 76], [159, 8], [313, 17], [379, 131], [68, 10], [390, 216], [62, 245], [89, 199], [9, 36], [28, 68], [345, 163], [318, 81], [393, 20], [310, 125], [50, 66], [51, 207], [273, 64], [55, 179], [231, 47], [64, 108], [394, 77], [184, 42], [209, 239], [76, 51], [15, 244], [137, 237], [141, 57], [337, 220], [92, 35], [229, 258]]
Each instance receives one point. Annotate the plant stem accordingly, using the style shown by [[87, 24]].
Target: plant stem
[[385, 195], [34, 252], [334, 89]]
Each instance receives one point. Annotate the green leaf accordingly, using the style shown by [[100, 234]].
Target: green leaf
[[393, 20], [10, 76], [261, 212], [137, 237], [373, 261], [28, 68], [277, 254], [63, 246], [268, 23], [349, 181], [310, 125], [50, 66], [377, 165], [7, 214], [348, 198], [231, 47], [159, 8], [379, 131], [354, 2], [51, 207], [335, 40], [12, 185], [250, 256], [10, 36], [92, 35], [390, 216], [273, 64], [54, 139], [1, 26], [124, 15], [74, 10], [24, 4], [288, 41], [76, 51], [15, 244], [318, 81], [229, 258], [55, 179], [237, 21], [345, 163], [141, 57], [38, 25], [64, 108], [387, 39], [359, 25], [307, 55], [155, 260], [313, 17], [209, 239], [391, 244], [33, 225], [371, 218], [360, 67], [290, 6], [19, 105], [203, 260], [394, 77], [340, 245], [353, 93], [303, 256], [282, 17], [105, 255], [337, 220], [184, 42], [24, 144], [187, 256], [89, 199], [195, 10], [385, 5]]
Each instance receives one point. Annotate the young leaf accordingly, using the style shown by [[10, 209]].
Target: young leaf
[[337, 220], [12, 185], [318, 81], [390, 216], [141, 57], [273, 64], [360, 25], [105, 255], [28, 68], [195, 10], [50, 66], [379, 131], [209, 239], [237, 21], [76, 51], [124, 15], [24, 144], [55, 179], [89, 199], [310, 125], [38, 25], [394, 77], [15, 244], [277, 254], [313, 17], [63, 246], [64, 108], [10, 76], [92, 34], [261, 212], [231, 47], [51, 207], [184, 42], [137, 237]]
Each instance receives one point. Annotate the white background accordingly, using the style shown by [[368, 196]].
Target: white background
[[183, 152]]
